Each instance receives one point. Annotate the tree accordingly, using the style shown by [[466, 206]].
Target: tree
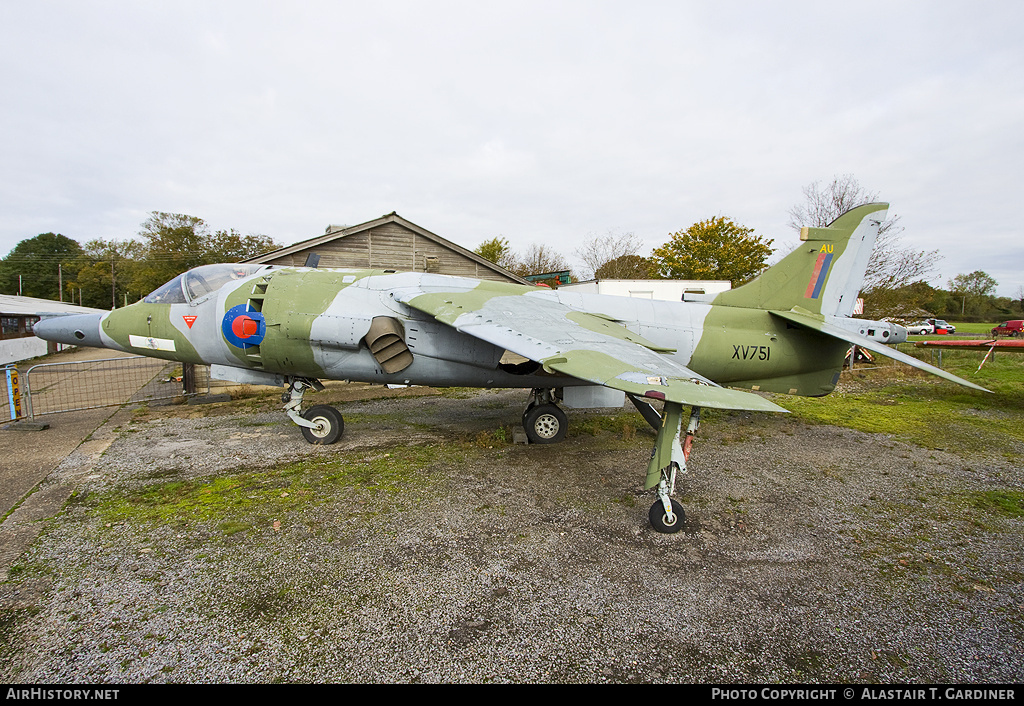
[[977, 283], [175, 242], [232, 246], [974, 292], [627, 267], [37, 265], [539, 259], [598, 251], [824, 204], [910, 301], [171, 243], [498, 251], [891, 266], [716, 248], [103, 273]]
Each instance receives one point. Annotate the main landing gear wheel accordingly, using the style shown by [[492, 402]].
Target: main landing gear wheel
[[545, 424], [329, 424], [660, 520]]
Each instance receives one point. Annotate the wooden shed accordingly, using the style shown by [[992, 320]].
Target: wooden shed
[[389, 243]]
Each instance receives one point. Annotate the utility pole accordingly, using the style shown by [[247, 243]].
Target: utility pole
[[60, 282]]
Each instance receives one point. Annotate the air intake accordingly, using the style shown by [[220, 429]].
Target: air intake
[[386, 341]]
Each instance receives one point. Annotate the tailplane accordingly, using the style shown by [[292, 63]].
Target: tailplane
[[821, 276]]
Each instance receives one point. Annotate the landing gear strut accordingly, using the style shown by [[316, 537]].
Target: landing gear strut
[[543, 420], [668, 459], [321, 424]]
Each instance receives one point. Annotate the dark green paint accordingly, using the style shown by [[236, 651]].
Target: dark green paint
[[151, 321], [294, 299], [449, 306]]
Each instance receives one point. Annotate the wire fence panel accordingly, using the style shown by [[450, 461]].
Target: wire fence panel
[[66, 387]]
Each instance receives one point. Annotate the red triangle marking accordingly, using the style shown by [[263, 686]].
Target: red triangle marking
[[189, 320]]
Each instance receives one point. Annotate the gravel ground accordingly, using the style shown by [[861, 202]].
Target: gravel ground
[[425, 547]]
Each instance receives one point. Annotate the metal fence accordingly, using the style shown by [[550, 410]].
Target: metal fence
[[65, 387]]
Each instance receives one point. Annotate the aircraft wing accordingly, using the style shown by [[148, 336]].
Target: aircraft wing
[[587, 346], [816, 324]]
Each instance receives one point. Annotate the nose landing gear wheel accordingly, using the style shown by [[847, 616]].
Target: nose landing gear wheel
[[660, 520], [329, 424]]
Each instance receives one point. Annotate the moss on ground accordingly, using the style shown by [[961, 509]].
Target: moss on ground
[[239, 501]]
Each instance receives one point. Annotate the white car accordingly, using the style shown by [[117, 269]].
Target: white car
[[921, 328]]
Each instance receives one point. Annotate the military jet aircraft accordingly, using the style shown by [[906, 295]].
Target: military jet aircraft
[[786, 331]]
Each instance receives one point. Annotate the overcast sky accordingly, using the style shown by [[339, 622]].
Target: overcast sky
[[539, 122]]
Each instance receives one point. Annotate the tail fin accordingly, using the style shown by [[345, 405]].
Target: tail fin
[[823, 275]]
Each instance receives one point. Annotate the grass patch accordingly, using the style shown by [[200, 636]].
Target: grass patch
[[1005, 503], [911, 539], [502, 436], [233, 527], [973, 328], [240, 501], [458, 393], [624, 425], [918, 408]]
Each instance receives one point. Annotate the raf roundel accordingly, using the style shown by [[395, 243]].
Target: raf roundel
[[243, 328]]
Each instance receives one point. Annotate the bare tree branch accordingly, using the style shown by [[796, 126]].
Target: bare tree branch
[[599, 250], [891, 266], [539, 259]]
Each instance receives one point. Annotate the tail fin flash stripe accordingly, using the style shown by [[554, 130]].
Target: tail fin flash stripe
[[819, 275]]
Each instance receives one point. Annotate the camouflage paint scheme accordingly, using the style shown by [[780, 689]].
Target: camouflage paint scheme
[[786, 331]]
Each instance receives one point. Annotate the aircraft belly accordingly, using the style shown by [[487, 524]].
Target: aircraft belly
[[428, 370], [431, 339], [348, 365]]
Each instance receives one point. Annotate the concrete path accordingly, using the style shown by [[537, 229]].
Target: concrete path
[[28, 459]]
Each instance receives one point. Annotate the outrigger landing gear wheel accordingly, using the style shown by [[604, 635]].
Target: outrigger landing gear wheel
[[661, 521], [328, 424]]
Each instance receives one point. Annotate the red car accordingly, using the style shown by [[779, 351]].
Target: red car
[[1014, 327]]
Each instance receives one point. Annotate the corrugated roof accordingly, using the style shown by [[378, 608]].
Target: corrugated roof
[[389, 218], [13, 304]]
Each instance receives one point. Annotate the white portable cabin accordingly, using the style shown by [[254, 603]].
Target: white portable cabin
[[673, 290]]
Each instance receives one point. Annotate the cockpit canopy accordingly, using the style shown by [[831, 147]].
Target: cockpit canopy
[[200, 281]]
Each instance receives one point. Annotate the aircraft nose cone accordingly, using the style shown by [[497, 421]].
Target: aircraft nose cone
[[74, 330]]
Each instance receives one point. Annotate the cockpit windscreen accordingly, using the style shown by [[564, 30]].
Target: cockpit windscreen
[[200, 281]]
